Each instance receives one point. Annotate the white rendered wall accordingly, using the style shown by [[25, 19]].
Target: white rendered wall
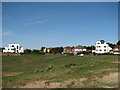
[[15, 49], [78, 50], [102, 48]]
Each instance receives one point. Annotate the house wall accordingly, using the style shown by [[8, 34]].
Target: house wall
[[44, 50], [79, 50], [48, 50], [116, 52], [68, 50], [116, 49], [84, 49]]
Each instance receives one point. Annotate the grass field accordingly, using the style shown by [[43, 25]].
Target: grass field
[[50, 71]]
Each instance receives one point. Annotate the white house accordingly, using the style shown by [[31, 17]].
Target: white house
[[47, 49], [102, 47], [116, 49], [79, 49], [13, 48]]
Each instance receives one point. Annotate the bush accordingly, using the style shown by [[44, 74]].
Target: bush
[[106, 54], [84, 52], [68, 53], [71, 64], [28, 51], [50, 68], [56, 50]]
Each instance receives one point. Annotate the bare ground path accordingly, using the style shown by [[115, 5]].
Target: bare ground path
[[110, 78]]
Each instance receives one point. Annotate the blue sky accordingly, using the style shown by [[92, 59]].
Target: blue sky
[[51, 24]]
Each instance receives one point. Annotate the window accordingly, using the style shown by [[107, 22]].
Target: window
[[96, 50], [104, 49], [98, 46], [98, 43], [12, 46], [100, 50], [104, 46], [13, 49]]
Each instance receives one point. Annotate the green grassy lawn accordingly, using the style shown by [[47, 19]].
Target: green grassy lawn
[[68, 71]]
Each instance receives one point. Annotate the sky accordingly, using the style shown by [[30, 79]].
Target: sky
[[52, 24]]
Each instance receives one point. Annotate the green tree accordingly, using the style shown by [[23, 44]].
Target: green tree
[[56, 50], [42, 48], [118, 43], [35, 51], [111, 45], [27, 51], [90, 47]]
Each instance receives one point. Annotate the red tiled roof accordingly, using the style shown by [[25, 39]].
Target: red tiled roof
[[49, 48], [79, 47], [117, 46], [68, 47]]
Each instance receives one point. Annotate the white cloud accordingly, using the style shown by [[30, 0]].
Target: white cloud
[[7, 33], [36, 22]]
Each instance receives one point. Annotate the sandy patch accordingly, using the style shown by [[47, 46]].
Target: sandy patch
[[116, 61], [52, 84], [111, 78], [74, 82], [36, 84], [12, 74]]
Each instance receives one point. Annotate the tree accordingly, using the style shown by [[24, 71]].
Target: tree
[[90, 47], [118, 43], [42, 48], [111, 45], [27, 51], [35, 51], [56, 50]]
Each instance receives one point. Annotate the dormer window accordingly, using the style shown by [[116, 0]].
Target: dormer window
[[12, 46]]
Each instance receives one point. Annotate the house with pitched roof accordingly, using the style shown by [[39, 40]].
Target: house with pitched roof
[[79, 49], [68, 49], [76, 49], [116, 49]]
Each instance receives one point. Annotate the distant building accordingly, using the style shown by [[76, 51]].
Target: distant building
[[102, 47], [79, 49], [68, 49], [47, 50], [76, 49], [116, 49], [13, 48]]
